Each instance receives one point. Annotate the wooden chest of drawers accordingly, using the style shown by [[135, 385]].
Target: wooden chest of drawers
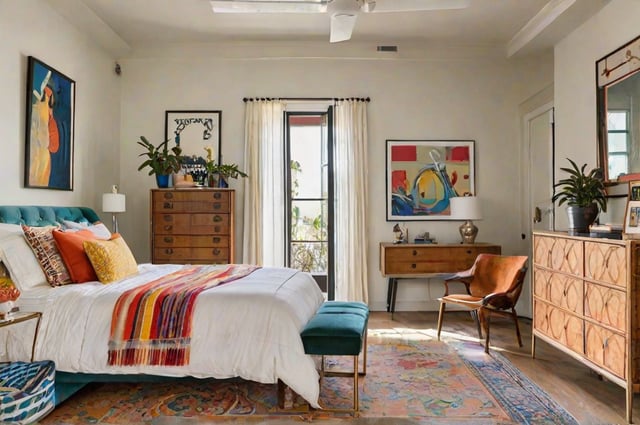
[[585, 303], [192, 226]]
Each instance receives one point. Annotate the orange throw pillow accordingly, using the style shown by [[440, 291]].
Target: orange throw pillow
[[74, 256]]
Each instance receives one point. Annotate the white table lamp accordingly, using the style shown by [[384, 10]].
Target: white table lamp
[[466, 208], [114, 203]]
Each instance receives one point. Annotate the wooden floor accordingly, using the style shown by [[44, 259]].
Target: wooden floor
[[590, 399]]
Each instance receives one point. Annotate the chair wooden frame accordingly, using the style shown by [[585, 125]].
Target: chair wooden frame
[[505, 288]]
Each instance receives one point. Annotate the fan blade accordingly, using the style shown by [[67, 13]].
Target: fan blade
[[269, 6], [342, 24], [413, 5]]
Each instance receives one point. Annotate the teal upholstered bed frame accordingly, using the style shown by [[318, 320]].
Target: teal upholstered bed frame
[[38, 216]]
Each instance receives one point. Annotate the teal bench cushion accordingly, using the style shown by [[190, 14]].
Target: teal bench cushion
[[339, 307], [339, 334]]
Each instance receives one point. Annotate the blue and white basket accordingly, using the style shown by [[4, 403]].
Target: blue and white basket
[[27, 391]]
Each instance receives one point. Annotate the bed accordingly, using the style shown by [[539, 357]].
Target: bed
[[249, 328]]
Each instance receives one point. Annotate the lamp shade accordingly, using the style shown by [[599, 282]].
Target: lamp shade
[[113, 202], [465, 208]]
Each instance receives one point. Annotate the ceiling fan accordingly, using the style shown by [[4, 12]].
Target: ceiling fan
[[343, 12]]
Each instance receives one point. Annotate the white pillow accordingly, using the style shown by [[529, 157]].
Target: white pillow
[[99, 229], [10, 229], [21, 262]]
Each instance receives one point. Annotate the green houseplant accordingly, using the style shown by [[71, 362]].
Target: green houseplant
[[223, 171], [161, 160], [585, 196]]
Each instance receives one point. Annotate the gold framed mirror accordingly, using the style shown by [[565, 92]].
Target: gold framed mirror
[[618, 81]]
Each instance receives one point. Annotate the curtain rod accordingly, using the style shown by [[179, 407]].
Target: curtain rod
[[361, 99]]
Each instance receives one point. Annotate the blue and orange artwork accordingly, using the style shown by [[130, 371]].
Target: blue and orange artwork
[[424, 175], [49, 147]]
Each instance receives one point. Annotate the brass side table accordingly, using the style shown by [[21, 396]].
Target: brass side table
[[23, 316]]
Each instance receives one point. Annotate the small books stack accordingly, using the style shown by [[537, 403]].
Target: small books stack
[[608, 230]]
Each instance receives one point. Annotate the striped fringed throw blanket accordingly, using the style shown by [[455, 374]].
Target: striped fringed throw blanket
[[151, 324]]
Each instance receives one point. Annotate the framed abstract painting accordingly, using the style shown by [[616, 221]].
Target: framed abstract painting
[[422, 175], [194, 131], [49, 128]]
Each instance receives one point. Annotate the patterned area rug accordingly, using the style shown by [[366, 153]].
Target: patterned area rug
[[416, 380]]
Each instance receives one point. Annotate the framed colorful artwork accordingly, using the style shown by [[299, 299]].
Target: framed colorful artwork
[[422, 175], [49, 128], [194, 131]]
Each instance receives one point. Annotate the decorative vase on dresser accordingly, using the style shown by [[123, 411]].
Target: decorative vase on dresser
[[585, 303], [192, 226]]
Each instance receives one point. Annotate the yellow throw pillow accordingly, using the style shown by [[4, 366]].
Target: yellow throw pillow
[[112, 260]]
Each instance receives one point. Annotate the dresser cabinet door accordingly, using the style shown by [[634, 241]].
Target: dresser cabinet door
[[565, 328], [606, 263], [606, 349], [605, 305], [561, 254]]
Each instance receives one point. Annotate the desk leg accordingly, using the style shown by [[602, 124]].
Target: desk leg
[[394, 291], [389, 292], [35, 337]]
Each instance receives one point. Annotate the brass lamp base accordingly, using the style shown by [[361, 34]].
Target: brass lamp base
[[468, 231]]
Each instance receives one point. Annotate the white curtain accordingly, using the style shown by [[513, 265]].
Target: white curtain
[[350, 159], [264, 203]]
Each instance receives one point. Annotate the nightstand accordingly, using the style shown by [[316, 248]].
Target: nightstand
[[23, 316]]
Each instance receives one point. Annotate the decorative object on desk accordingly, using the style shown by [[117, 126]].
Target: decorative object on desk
[[632, 212], [424, 238], [50, 133], [584, 194], [607, 230], [399, 234], [423, 175], [8, 295], [161, 160], [114, 203], [194, 131], [466, 208]]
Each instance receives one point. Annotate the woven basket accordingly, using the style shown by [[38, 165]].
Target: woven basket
[[27, 391]]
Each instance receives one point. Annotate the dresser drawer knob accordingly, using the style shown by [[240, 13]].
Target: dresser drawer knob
[[469, 251], [167, 205], [168, 195], [415, 252], [216, 251], [168, 239], [217, 205], [216, 240], [217, 229], [167, 217], [168, 251], [168, 227], [413, 266], [217, 218], [217, 195]]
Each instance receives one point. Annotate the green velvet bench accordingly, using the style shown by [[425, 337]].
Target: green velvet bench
[[339, 328]]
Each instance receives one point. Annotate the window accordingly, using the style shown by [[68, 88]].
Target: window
[[618, 142], [310, 195]]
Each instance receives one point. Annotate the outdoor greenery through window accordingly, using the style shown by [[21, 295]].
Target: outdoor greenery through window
[[309, 198], [618, 142]]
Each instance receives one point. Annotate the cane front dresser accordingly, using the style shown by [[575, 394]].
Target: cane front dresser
[[192, 226], [585, 303]]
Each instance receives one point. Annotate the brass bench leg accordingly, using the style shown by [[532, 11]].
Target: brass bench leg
[[356, 406]]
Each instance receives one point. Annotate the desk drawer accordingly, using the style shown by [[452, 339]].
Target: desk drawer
[[432, 259]]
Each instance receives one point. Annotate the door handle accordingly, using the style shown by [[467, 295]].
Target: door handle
[[537, 215]]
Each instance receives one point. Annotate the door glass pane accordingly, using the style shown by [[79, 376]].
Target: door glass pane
[[309, 256], [309, 220], [306, 158], [617, 120], [617, 142]]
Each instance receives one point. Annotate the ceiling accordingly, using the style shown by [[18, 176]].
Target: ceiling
[[517, 26]]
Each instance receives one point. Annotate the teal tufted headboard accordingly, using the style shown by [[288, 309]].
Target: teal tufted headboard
[[38, 216]]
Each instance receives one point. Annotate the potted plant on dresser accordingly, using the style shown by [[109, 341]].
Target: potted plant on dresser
[[161, 160], [585, 196]]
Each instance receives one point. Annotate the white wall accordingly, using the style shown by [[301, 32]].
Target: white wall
[[32, 28], [431, 96], [575, 86]]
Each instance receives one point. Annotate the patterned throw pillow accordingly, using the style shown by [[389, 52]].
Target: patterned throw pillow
[[46, 250], [112, 260]]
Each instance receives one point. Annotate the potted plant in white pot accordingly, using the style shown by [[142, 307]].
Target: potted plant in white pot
[[585, 196], [161, 160]]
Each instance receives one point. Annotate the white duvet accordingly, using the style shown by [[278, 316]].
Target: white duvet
[[249, 328]]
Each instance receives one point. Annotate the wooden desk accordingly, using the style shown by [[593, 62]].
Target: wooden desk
[[408, 261]]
